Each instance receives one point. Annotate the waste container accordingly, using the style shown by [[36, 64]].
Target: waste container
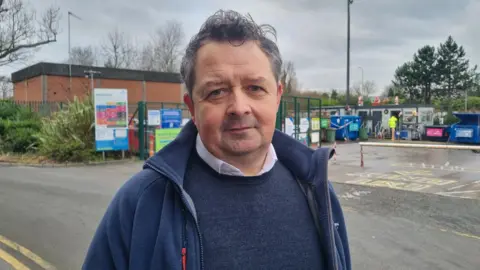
[[363, 134], [467, 130], [331, 135], [436, 133], [347, 126]]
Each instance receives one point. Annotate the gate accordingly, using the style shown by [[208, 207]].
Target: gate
[[299, 117], [142, 135]]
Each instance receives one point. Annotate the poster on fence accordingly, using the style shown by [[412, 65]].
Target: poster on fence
[[164, 136], [315, 123], [171, 118], [111, 119], [153, 118]]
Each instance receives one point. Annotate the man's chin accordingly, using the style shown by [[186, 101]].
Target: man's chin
[[241, 148]]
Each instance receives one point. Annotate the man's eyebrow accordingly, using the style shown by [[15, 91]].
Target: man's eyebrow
[[255, 80], [212, 82]]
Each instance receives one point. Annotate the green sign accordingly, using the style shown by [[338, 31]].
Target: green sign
[[353, 127], [164, 136], [324, 123]]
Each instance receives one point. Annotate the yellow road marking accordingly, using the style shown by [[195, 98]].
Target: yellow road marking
[[12, 261], [348, 209], [467, 235], [27, 253]]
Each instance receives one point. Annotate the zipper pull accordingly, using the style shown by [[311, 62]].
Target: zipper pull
[[184, 258]]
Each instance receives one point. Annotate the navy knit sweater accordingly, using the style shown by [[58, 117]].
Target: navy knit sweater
[[260, 222]]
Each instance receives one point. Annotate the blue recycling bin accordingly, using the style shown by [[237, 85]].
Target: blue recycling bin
[[347, 126], [467, 130], [404, 134]]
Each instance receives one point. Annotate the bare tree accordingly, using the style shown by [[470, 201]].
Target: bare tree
[[146, 58], [289, 77], [118, 50], [164, 51], [368, 88], [6, 87], [21, 31], [86, 56]]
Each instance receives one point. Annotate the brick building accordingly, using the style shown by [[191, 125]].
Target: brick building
[[50, 82]]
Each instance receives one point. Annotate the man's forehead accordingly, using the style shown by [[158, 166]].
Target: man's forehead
[[214, 53]]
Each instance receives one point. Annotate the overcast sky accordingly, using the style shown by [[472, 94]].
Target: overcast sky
[[311, 33]]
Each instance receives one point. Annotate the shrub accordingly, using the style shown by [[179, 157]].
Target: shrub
[[19, 140], [18, 136], [11, 111], [17, 127], [69, 134]]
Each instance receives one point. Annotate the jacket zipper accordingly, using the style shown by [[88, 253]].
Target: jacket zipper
[[185, 204], [197, 227], [330, 223], [184, 240]]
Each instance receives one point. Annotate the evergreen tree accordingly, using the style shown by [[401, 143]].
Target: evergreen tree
[[453, 72]]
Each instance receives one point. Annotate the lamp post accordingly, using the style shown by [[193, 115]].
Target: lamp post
[[70, 50], [90, 73], [349, 2]]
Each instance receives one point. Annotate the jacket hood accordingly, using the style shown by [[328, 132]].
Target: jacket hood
[[173, 158]]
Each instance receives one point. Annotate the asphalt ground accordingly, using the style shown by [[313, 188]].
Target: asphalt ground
[[49, 215]]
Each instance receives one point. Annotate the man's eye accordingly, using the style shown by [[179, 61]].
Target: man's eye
[[216, 93], [255, 88]]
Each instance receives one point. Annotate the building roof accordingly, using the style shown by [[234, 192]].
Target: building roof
[[56, 69]]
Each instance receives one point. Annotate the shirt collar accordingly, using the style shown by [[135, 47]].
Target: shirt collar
[[223, 167]]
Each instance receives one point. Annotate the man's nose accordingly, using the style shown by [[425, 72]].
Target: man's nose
[[239, 103]]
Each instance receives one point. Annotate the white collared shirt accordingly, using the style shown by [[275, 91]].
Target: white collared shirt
[[223, 167]]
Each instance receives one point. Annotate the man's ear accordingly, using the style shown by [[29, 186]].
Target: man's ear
[[279, 92], [189, 101]]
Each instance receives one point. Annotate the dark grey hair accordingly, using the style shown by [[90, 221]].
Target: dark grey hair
[[230, 26]]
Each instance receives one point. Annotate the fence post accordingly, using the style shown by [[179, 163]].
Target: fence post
[[296, 118], [309, 131], [141, 130], [278, 124], [320, 119]]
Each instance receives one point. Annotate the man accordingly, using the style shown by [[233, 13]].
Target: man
[[229, 192], [392, 123]]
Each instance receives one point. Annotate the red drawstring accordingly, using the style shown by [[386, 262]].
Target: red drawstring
[[184, 258]]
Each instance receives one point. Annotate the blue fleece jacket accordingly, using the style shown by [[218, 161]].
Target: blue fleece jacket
[[152, 223]]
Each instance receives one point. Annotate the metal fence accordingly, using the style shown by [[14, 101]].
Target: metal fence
[[300, 117], [297, 116], [43, 108]]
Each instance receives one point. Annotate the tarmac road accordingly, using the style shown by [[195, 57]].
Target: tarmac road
[[53, 212], [453, 173]]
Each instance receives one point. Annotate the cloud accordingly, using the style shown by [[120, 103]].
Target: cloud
[[312, 33]]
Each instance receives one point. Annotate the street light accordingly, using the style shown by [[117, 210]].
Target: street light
[[90, 73], [70, 51], [349, 2]]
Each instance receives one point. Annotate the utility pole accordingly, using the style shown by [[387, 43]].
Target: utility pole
[[70, 51], [349, 2]]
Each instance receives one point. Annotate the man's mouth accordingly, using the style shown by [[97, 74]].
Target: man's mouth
[[238, 129]]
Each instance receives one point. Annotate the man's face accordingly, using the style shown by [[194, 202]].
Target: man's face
[[235, 98]]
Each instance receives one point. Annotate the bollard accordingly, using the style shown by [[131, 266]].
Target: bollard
[[335, 151], [151, 146], [361, 156]]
